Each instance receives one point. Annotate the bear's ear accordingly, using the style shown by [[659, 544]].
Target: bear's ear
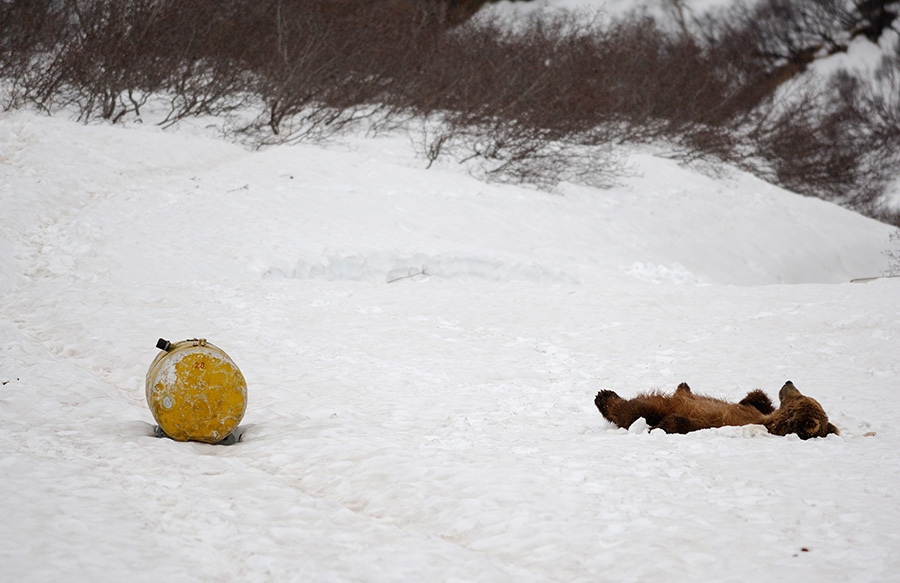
[[788, 391], [832, 429]]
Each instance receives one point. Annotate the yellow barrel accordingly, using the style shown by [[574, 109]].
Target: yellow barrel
[[195, 391]]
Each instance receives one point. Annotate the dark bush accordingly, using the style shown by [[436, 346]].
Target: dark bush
[[535, 102], [30, 32]]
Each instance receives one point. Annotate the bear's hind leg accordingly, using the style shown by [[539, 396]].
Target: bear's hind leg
[[605, 400], [624, 412], [759, 401], [617, 410]]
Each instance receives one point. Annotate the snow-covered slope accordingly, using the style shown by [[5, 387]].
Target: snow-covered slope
[[422, 351]]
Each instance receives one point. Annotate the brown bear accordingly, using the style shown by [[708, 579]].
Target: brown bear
[[684, 411]]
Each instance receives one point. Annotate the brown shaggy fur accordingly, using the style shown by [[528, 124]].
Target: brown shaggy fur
[[684, 411]]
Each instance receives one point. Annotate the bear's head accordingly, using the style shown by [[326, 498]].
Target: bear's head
[[799, 414]]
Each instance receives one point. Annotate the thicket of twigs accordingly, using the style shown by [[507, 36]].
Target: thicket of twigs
[[539, 102]]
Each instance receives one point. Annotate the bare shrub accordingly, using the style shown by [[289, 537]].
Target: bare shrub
[[810, 153], [833, 140], [29, 30], [772, 41], [840, 142], [31, 33], [106, 68], [556, 93], [780, 32], [871, 109], [539, 102], [872, 17], [321, 67], [205, 71], [510, 102], [893, 254]]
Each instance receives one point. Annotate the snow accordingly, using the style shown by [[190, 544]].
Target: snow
[[422, 351]]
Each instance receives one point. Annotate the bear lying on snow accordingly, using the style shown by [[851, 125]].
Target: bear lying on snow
[[684, 411]]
